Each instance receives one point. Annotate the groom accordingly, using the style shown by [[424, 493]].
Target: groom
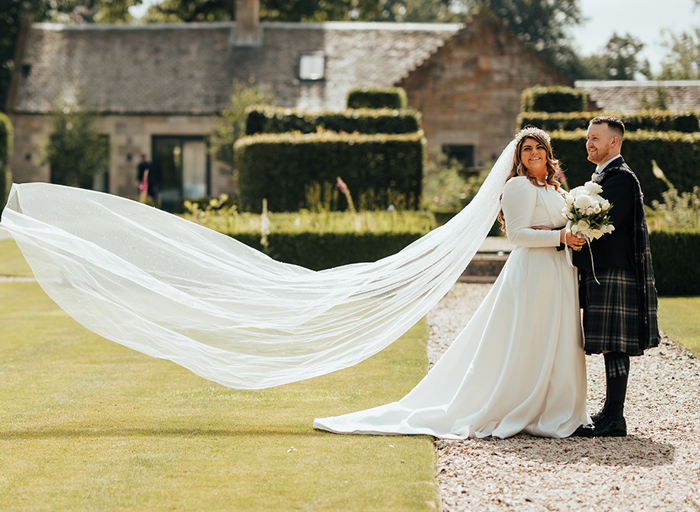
[[620, 313]]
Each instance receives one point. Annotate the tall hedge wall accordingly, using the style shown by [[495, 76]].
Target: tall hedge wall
[[319, 251], [675, 267], [280, 120], [279, 166], [5, 153], [677, 154], [377, 97], [651, 120], [553, 99]]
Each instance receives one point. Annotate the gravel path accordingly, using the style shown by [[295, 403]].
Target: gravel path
[[656, 467]]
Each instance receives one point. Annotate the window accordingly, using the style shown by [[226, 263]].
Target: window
[[312, 66], [181, 165], [464, 154]]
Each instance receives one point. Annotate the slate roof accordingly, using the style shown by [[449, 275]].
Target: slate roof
[[189, 68], [628, 96]]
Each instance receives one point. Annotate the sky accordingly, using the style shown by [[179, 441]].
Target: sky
[[644, 19]]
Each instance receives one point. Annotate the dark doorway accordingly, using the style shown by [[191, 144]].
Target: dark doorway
[[182, 165]]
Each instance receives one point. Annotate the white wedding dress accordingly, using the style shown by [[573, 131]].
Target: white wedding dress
[[518, 365]]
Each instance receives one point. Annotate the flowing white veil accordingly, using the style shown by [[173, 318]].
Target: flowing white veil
[[172, 289]]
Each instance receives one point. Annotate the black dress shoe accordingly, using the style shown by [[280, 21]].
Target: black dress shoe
[[604, 428], [598, 417]]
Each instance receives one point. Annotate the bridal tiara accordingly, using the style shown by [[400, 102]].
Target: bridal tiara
[[531, 131]]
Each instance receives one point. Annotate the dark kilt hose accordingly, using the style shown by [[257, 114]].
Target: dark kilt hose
[[620, 313]]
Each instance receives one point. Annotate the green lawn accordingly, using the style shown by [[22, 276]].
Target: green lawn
[[679, 317], [86, 424], [11, 260]]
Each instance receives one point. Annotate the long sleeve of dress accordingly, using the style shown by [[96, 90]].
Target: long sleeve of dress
[[518, 203]]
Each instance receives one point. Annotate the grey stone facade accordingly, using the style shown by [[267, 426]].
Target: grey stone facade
[[169, 80]]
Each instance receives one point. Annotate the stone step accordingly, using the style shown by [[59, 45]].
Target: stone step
[[484, 267]]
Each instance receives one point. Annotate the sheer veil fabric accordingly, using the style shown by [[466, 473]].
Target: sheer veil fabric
[[172, 289]]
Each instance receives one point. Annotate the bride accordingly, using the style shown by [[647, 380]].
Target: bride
[[172, 289], [518, 365]]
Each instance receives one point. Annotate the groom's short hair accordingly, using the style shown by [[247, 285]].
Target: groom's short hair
[[614, 123]]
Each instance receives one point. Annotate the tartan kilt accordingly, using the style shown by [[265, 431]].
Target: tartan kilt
[[611, 317]]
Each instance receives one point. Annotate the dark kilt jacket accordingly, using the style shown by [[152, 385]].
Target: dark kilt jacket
[[620, 314]]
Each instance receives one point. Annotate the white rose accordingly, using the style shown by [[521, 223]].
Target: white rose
[[569, 199], [595, 233], [604, 204], [593, 188], [582, 202], [596, 209]]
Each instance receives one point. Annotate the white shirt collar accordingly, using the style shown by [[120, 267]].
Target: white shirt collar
[[601, 167]]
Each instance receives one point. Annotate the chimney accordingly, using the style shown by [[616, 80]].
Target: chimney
[[248, 31]]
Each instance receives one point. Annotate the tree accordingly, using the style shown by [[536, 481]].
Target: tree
[[285, 10], [74, 148], [622, 58], [683, 59], [619, 61], [230, 125], [540, 23], [60, 11]]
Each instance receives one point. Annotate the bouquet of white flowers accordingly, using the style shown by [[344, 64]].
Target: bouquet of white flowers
[[588, 212]]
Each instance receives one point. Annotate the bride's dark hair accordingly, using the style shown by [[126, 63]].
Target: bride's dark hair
[[518, 169]]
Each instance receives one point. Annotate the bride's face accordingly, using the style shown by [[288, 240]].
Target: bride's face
[[533, 155]]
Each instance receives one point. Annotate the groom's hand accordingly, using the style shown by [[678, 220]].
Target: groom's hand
[[573, 241]]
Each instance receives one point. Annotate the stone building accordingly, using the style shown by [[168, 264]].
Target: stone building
[[159, 86], [627, 96]]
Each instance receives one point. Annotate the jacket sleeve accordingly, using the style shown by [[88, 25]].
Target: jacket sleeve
[[518, 203]]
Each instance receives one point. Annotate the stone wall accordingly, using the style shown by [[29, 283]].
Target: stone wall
[[129, 136], [469, 89]]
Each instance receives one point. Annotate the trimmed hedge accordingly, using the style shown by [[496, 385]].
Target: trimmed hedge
[[675, 264], [651, 120], [278, 166], [677, 154], [5, 153], [377, 97], [279, 120], [553, 99], [319, 251]]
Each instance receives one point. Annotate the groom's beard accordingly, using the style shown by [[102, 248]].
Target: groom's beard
[[599, 156]]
